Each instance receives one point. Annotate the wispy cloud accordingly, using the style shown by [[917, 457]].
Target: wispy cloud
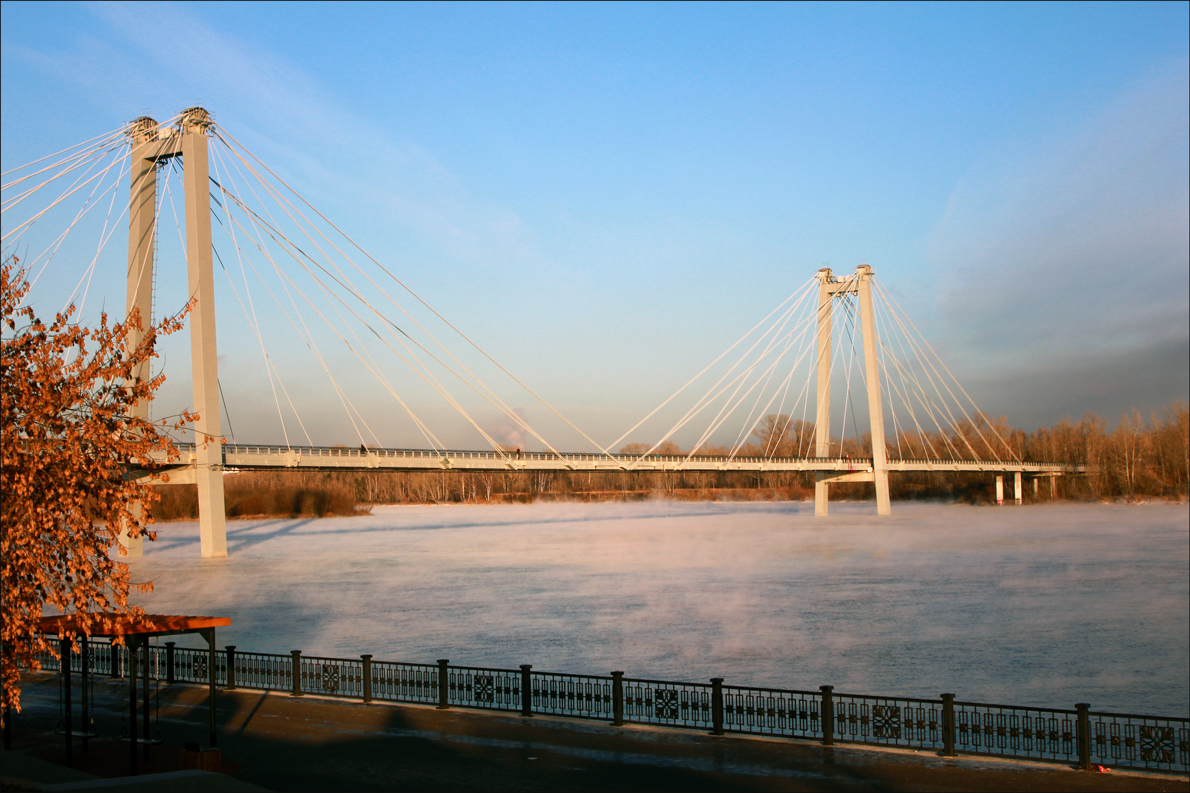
[[283, 112], [1074, 251]]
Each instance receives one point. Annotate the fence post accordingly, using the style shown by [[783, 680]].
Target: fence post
[[169, 662], [828, 715], [367, 659], [948, 725], [617, 699], [526, 692], [297, 672], [716, 706], [443, 684], [231, 667], [1084, 736]]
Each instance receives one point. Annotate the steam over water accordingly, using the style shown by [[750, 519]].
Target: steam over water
[[1045, 605]]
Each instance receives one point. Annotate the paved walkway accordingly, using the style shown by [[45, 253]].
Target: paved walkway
[[309, 743]]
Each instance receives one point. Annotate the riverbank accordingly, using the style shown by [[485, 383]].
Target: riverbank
[[280, 742]]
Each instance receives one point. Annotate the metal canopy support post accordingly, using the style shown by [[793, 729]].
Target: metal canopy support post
[[209, 635], [64, 667], [203, 354], [147, 726], [822, 420], [132, 647], [83, 676], [875, 408]]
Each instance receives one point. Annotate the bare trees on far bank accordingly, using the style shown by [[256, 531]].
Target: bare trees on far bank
[[1140, 458]]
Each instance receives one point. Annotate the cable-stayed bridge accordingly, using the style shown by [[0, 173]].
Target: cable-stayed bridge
[[767, 394]]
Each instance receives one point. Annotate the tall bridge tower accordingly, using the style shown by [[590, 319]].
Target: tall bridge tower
[[829, 288], [152, 147]]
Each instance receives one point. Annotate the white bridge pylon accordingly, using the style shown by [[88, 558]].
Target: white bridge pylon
[[152, 146], [829, 289]]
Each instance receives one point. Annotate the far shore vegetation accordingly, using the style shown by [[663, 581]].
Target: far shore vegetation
[[1139, 460]]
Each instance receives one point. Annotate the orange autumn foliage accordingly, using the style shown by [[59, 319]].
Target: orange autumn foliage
[[68, 438]]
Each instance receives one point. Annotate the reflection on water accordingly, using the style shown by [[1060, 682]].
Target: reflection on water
[[1047, 605]]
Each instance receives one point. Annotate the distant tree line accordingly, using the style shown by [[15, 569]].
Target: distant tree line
[[1138, 459]]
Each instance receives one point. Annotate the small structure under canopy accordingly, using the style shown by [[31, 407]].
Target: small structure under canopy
[[136, 633]]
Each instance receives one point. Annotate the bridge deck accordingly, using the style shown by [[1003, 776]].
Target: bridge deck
[[328, 458]]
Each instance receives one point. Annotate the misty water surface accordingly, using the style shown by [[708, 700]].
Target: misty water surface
[[1046, 605]]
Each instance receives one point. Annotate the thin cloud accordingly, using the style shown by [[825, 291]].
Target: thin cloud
[[1073, 255]]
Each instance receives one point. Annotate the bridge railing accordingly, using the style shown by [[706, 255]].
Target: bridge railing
[[1076, 736], [624, 460]]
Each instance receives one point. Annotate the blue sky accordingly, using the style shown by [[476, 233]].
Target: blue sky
[[608, 195]]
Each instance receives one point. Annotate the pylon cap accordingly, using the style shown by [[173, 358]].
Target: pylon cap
[[143, 129]]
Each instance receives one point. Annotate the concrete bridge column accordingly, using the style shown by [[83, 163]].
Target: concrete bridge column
[[999, 489], [142, 230], [208, 434], [875, 406], [1016, 484], [822, 419]]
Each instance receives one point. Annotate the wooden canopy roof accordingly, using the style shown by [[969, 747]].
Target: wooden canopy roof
[[110, 625]]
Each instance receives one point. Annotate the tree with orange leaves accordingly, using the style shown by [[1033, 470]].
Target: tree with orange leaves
[[68, 441]]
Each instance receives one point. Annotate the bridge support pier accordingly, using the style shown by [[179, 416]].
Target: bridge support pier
[[208, 434], [149, 148], [822, 419], [828, 289], [999, 489], [1018, 491], [142, 231], [875, 407]]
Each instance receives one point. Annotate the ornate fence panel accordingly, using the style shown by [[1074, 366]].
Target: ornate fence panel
[[192, 665], [490, 689], [888, 721], [1006, 731], [582, 696], [335, 677], [398, 682], [48, 662], [1144, 742], [668, 703], [263, 671], [772, 711], [108, 659]]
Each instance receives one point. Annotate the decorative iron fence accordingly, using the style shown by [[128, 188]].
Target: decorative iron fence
[[772, 711], [888, 721], [392, 681], [671, 704], [579, 696], [1079, 737]]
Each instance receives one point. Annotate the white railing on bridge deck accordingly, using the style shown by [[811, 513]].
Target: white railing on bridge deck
[[252, 456]]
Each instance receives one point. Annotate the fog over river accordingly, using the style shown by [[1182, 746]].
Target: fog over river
[[1046, 605]]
